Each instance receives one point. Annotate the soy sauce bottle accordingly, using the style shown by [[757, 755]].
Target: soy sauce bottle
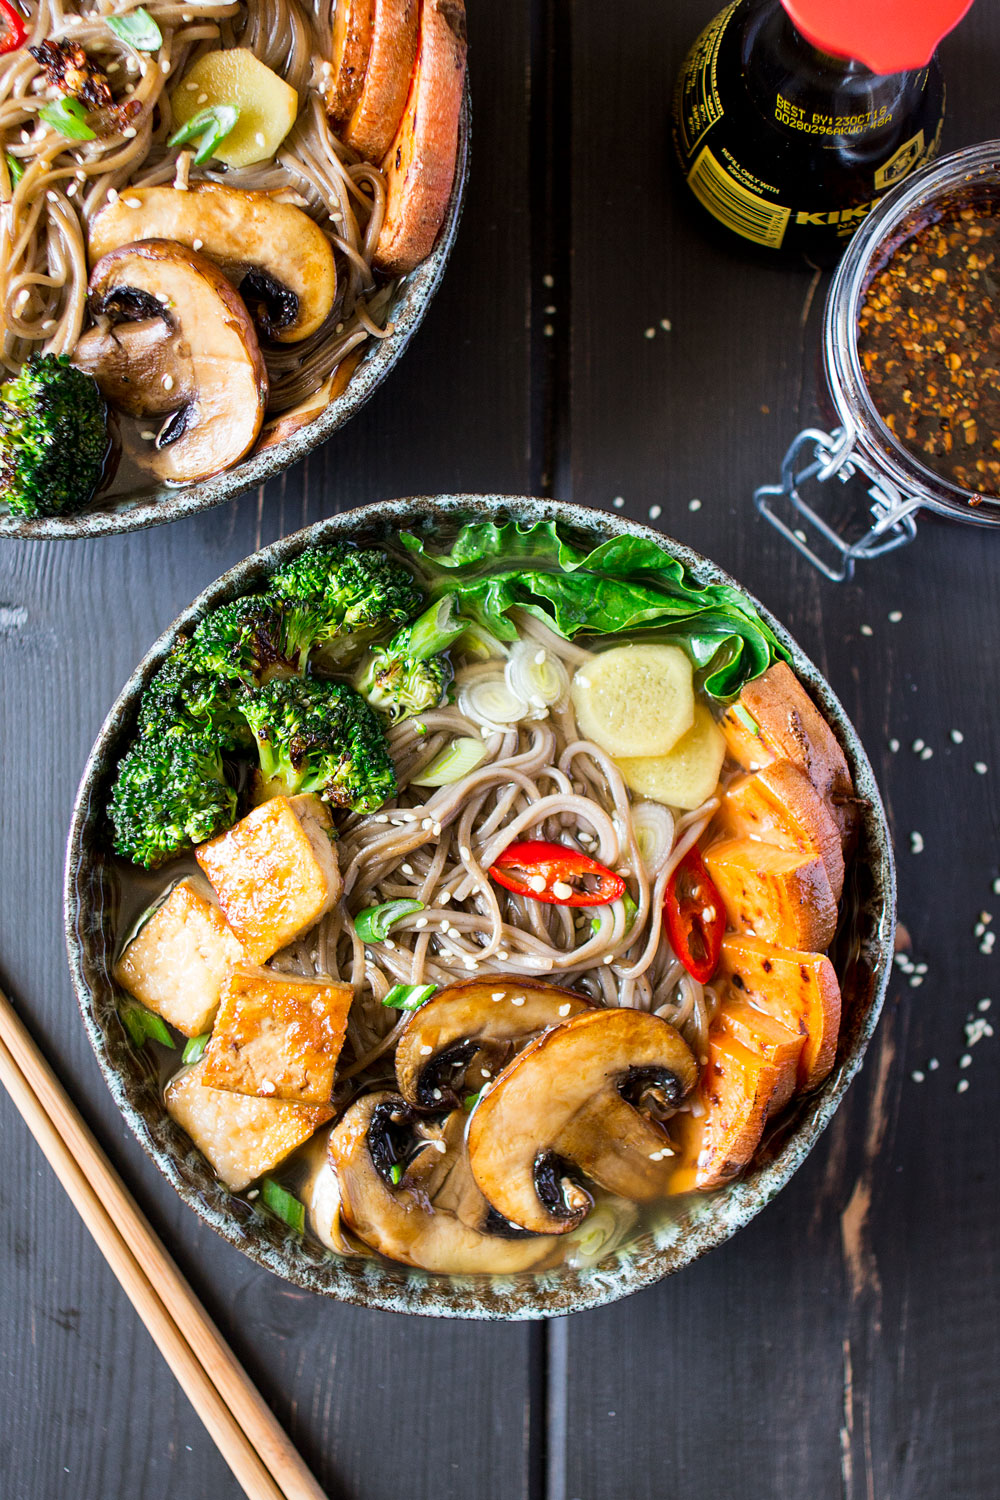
[[786, 137]]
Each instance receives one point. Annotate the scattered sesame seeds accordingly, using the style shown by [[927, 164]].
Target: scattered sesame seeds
[[618, 502], [112, 195], [536, 883], [168, 382], [655, 512], [52, 197], [962, 1086], [426, 1050], [564, 1009], [464, 852], [517, 999], [439, 1145], [650, 333], [984, 1005], [980, 768], [562, 890], [164, 67], [916, 843], [895, 615], [162, 298], [436, 830], [932, 1065], [894, 746], [47, 324], [957, 737], [926, 753], [72, 189], [444, 897], [917, 1076], [548, 281], [916, 980], [421, 922], [666, 325], [917, 746], [867, 630], [965, 1061], [26, 137], [202, 98], [147, 436], [498, 994], [609, 958], [196, 245], [502, 955], [253, 1193], [694, 505], [130, 132], [548, 331]]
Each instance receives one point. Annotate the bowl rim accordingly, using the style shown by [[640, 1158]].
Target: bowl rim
[[379, 359], [403, 1289]]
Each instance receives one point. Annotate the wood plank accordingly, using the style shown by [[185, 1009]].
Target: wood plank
[[842, 1344], [90, 1409]]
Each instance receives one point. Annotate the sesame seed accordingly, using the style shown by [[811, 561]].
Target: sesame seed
[[164, 67], [147, 436], [916, 980], [260, 138], [895, 615], [420, 922], [694, 505], [916, 843], [618, 502], [894, 746], [445, 926], [564, 1009], [444, 897], [112, 195], [655, 512], [502, 955], [499, 994], [406, 869], [202, 98], [26, 137], [917, 1076], [933, 1065], [471, 963], [980, 768], [196, 245], [548, 331], [962, 1086], [426, 1050], [162, 298], [439, 1145], [517, 999], [464, 852], [427, 823], [436, 830], [917, 746], [436, 1094], [985, 916], [168, 382], [253, 1193], [926, 753], [540, 657], [536, 883], [130, 132], [666, 325], [388, 943], [609, 958], [965, 1061], [52, 197], [957, 737], [561, 890], [72, 189], [650, 333], [920, 969], [984, 1005], [867, 630], [548, 281]]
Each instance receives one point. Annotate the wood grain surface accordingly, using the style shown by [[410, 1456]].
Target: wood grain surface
[[845, 1343]]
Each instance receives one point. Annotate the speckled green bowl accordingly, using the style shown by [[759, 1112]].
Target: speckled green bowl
[[406, 312], [862, 954]]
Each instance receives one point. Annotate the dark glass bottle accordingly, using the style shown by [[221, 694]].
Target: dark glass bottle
[[789, 146]]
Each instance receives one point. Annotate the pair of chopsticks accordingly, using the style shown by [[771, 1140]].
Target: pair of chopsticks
[[241, 1424]]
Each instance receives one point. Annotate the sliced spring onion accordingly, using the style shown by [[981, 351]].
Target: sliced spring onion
[[144, 1025], [480, 644], [747, 720], [137, 29], [631, 912], [15, 169], [195, 1047], [471, 1100], [455, 761], [210, 126], [654, 833], [601, 1232], [536, 675], [69, 117], [490, 701], [283, 1203], [396, 1173], [409, 996], [374, 924]]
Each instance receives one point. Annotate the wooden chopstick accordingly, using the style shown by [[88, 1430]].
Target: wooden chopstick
[[243, 1427]]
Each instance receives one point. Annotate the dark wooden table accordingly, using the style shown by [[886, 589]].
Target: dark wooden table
[[845, 1343]]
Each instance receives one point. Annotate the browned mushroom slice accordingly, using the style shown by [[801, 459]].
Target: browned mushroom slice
[[202, 364], [590, 1094], [406, 1191], [468, 1033], [278, 258]]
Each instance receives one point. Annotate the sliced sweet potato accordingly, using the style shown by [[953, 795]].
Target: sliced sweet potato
[[780, 805], [781, 895], [420, 164], [734, 1097], [772, 1039], [375, 118], [798, 989], [789, 726], [353, 25]]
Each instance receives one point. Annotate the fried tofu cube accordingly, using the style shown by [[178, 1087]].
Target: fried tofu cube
[[778, 894], [275, 873], [178, 959], [241, 1137], [278, 1036]]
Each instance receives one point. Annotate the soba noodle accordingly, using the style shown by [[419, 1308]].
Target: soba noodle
[[45, 217], [539, 780]]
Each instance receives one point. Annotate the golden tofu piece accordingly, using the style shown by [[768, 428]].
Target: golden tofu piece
[[275, 873], [278, 1036], [179, 958], [242, 1137]]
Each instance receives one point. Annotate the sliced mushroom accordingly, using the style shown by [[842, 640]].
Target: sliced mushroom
[[468, 1033], [173, 336], [590, 1094], [434, 1216], [278, 258]]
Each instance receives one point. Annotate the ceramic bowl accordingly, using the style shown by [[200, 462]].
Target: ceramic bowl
[[406, 312], [862, 955]]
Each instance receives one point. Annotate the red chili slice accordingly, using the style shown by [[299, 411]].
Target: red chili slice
[[695, 917], [13, 32], [521, 866]]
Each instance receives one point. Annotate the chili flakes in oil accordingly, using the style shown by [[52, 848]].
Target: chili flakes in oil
[[929, 341]]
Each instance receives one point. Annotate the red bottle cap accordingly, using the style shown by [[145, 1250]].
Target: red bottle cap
[[888, 36]]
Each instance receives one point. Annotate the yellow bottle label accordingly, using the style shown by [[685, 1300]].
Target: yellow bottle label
[[726, 199], [697, 105]]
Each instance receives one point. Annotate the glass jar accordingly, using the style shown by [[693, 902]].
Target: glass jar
[[861, 446]]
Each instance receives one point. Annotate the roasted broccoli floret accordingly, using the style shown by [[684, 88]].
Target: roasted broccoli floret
[[319, 736], [241, 641], [53, 438], [180, 699], [334, 592], [411, 674], [170, 793]]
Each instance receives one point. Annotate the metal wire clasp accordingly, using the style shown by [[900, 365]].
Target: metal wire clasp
[[833, 453]]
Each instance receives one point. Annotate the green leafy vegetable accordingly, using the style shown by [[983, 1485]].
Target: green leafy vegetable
[[144, 1025], [284, 1204], [15, 169], [409, 996], [624, 584], [69, 117], [210, 126], [374, 924], [137, 29], [195, 1048]]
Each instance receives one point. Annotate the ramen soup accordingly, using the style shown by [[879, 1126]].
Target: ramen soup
[[206, 210], [493, 882]]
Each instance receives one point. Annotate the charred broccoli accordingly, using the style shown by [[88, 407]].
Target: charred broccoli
[[319, 736], [53, 438], [170, 793], [329, 592], [411, 674], [181, 699], [241, 641]]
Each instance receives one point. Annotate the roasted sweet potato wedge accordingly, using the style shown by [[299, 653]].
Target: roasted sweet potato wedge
[[353, 25], [420, 163], [734, 1097], [777, 894], [776, 719], [772, 1039], [375, 118], [798, 989], [779, 805]]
